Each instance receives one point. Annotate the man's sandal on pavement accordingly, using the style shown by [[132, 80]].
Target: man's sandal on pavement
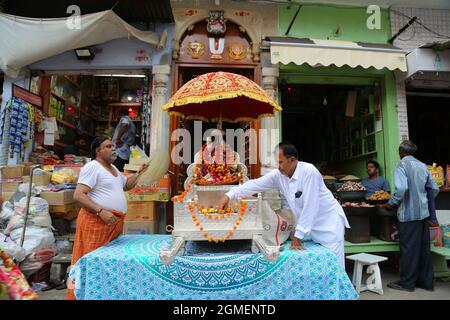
[[396, 286]]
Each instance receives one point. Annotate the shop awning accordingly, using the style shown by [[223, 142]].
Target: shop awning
[[24, 41], [428, 59], [316, 52]]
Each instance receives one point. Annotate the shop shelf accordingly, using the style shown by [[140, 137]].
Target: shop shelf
[[124, 104], [60, 144], [67, 124]]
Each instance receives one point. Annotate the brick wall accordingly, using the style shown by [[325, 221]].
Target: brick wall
[[412, 38], [415, 36], [402, 111]]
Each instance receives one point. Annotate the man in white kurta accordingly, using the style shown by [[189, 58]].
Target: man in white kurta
[[318, 214]]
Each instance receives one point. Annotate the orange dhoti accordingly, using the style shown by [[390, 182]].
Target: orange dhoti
[[91, 233]]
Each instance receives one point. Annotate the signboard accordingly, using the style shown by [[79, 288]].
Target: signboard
[[27, 96]]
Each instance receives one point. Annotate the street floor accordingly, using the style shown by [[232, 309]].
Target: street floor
[[441, 291]]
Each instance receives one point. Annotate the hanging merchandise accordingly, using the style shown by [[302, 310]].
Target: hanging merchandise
[[145, 113], [18, 122], [18, 125]]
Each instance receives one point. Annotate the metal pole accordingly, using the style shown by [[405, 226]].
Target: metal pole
[[410, 22], [22, 238], [293, 20]]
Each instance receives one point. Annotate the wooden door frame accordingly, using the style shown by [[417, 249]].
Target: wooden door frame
[[254, 170]]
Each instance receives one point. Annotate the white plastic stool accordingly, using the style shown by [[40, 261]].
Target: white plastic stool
[[373, 282]]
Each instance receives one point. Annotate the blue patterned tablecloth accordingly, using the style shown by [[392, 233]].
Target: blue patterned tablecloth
[[129, 269]]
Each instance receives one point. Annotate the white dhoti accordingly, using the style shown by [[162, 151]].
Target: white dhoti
[[338, 246]]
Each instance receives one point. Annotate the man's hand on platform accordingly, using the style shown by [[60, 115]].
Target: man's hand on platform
[[296, 244], [385, 206], [223, 203], [108, 217]]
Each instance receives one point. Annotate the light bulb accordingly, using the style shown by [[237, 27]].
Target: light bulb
[[325, 102]]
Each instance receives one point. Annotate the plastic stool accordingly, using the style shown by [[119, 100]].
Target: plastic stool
[[373, 282]]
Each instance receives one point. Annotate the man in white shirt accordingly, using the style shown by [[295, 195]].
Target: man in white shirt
[[100, 193], [318, 214]]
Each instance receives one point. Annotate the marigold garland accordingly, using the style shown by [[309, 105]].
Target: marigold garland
[[242, 209], [224, 176]]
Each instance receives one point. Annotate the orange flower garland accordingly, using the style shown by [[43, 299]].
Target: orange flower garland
[[222, 172], [210, 238]]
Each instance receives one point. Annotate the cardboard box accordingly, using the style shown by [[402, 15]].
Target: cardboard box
[[39, 179], [67, 211], [133, 168], [160, 191], [59, 198], [7, 195], [140, 227], [161, 197], [141, 211], [26, 168], [138, 161], [10, 186], [11, 172]]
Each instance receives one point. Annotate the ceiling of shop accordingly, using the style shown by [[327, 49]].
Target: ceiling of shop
[[129, 10]]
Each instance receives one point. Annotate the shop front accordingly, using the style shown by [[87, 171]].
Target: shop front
[[56, 98], [427, 97], [209, 38], [336, 85], [339, 89]]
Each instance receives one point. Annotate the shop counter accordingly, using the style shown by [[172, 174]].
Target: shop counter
[[129, 269], [443, 200]]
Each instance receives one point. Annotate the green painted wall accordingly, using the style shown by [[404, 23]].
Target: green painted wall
[[321, 22], [387, 140]]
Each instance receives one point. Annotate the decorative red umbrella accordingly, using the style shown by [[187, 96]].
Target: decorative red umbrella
[[222, 96]]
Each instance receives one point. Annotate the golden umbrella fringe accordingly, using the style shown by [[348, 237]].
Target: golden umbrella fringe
[[219, 96], [201, 118]]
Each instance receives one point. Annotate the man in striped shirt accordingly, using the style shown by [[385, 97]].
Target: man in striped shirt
[[410, 196]]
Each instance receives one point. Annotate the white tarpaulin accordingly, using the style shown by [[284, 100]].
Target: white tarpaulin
[[24, 41]]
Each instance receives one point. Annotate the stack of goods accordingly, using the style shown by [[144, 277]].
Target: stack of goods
[[351, 186], [437, 172], [11, 178], [357, 205], [38, 248], [40, 178], [380, 195], [45, 158], [358, 212], [141, 217], [59, 194], [156, 191], [73, 159]]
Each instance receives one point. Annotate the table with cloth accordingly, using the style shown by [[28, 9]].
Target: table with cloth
[[129, 268]]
